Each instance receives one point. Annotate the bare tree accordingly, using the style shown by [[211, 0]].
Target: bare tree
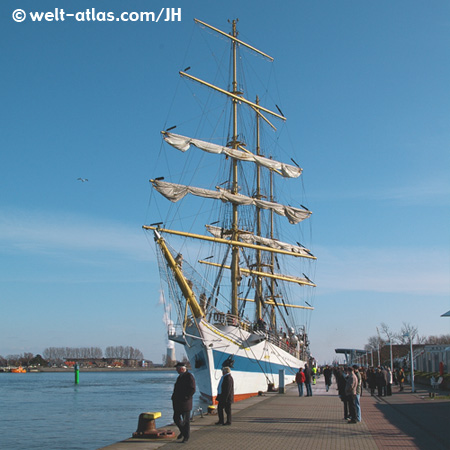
[[391, 336], [13, 360], [375, 342], [407, 332], [443, 339], [59, 354], [121, 352]]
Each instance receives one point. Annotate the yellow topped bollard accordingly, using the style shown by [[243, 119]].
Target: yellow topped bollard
[[147, 428]]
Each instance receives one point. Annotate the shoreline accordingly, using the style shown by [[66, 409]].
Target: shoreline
[[97, 369]]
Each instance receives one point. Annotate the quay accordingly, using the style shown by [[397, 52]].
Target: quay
[[404, 420]]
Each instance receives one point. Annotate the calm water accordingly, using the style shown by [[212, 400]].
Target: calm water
[[47, 411]]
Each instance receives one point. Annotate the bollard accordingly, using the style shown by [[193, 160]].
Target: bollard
[[281, 389], [147, 428], [77, 373]]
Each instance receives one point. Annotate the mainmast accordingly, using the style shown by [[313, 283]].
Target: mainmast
[[273, 316], [259, 290], [234, 188]]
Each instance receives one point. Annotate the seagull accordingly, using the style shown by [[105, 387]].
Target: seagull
[[82, 179]]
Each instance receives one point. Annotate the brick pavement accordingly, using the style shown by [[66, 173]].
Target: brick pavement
[[407, 420], [285, 421]]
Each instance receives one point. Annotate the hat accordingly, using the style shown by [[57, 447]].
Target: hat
[[180, 364]]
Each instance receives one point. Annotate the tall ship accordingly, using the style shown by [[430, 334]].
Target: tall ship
[[232, 265]]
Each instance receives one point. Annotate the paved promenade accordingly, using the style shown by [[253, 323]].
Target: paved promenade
[[286, 421]]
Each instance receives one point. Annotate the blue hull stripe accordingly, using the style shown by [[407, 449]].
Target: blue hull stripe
[[244, 364]]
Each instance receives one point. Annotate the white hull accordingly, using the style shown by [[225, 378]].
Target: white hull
[[255, 361]]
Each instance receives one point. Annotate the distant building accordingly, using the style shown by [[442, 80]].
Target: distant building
[[428, 358]]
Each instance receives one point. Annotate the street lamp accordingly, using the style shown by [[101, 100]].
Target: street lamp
[[412, 360], [390, 351]]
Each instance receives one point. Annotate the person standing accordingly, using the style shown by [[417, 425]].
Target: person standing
[[183, 392], [308, 375], [225, 396], [386, 379], [358, 393], [300, 379], [380, 381], [371, 380], [327, 376], [390, 381], [341, 380], [401, 378], [350, 392]]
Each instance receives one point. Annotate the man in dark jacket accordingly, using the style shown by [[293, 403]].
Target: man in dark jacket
[[225, 396], [327, 375], [341, 379], [308, 375], [183, 392]]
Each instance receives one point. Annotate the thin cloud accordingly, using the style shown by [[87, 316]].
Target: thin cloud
[[396, 270], [436, 192], [49, 233]]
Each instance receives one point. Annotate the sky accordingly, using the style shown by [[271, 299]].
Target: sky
[[364, 86]]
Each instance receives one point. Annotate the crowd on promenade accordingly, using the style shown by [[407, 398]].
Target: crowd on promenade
[[350, 382]]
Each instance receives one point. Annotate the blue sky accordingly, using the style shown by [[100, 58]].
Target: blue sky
[[365, 88]]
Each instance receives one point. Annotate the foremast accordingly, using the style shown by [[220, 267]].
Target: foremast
[[181, 280], [234, 188]]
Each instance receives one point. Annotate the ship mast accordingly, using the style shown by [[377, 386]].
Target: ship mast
[[234, 145], [234, 187], [258, 294], [273, 316]]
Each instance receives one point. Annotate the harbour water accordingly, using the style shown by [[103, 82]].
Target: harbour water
[[47, 411]]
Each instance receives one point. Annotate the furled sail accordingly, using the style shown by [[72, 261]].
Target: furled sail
[[251, 238], [175, 192], [183, 143], [276, 276]]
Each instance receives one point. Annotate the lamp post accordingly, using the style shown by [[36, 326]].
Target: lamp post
[[412, 360], [379, 345], [390, 351]]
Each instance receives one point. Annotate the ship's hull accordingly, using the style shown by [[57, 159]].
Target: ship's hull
[[255, 361]]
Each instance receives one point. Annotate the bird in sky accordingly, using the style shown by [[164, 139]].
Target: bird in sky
[[82, 179]]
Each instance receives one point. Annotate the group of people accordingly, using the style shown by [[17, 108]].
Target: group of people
[[350, 382], [304, 377], [382, 379], [183, 392]]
